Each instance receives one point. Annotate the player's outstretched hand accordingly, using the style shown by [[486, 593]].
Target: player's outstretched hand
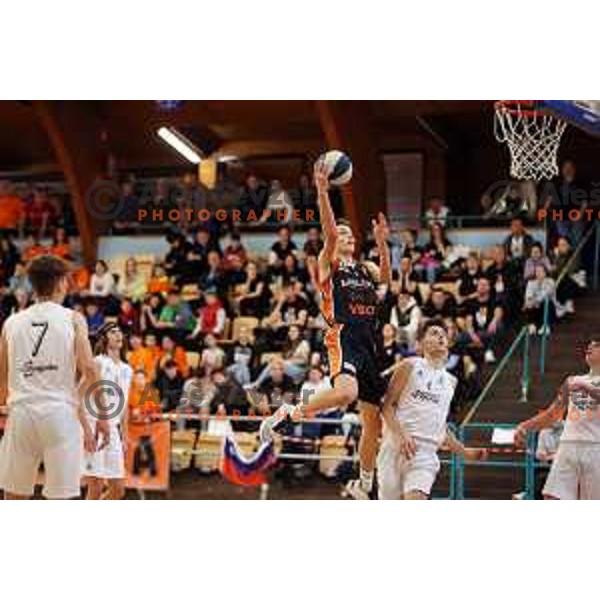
[[321, 176], [408, 446], [520, 436], [380, 229], [89, 439], [102, 434]]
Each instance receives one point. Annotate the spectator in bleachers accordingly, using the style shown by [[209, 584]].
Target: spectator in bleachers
[[484, 319], [568, 287], [61, 245], [177, 257], [408, 278], [540, 289], [211, 317], [170, 351], [281, 248], [295, 355], [32, 248], [440, 305], [128, 217], [437, 212], [292, 272], [102, 282], [536, 258], [200, 248], [132, 283], [406, 317], [253, 196], [435, 252], [278, 386], [313, 244], [229, 397], [290, 308], [252, 295], [234, 259], [128, 317], [19, 280], [176, 315], [518, 243], [12, 210], [305, 197], [213, 356], [466, 286], [9, 256], [159, 282], [169, 383], [94, 317], [241, 357], [505, 278], [390, 351], [141, 358], [150, 313], [40, 215], [408, 243], [214, 277], [278, 200]]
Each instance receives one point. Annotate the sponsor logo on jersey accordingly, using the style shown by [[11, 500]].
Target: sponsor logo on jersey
[[29, 368]]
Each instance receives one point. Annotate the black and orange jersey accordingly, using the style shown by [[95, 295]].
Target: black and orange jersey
[[349, 295]]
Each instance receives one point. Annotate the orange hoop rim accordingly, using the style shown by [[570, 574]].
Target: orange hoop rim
[[527, 108]]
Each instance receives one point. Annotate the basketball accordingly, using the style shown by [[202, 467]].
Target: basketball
[[339, 166]]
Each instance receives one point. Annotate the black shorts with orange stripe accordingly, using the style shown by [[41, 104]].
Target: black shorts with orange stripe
[[352, 351]]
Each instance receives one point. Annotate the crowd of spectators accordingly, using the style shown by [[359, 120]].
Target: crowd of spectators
[[213, 325]]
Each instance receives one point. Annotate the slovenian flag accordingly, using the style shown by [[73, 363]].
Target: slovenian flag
[[238, 469]]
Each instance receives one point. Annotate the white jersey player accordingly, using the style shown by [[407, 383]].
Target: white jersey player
[[42, 349], [575, 471], [108, 465], [415, 410]]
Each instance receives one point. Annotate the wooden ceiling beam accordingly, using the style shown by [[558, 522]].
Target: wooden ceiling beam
[[74, 133]]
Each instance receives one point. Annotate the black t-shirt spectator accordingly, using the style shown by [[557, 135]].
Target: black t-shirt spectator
[[278, 391], [291, 308], [313, 247], [446, 310], [281, 250], [482, 312], [169, 390], [468, 282]]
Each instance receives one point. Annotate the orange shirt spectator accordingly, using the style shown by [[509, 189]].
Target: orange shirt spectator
[[159, 282], [12, 210], [143, 359], [81, 278], [175, 353], [33, 249]]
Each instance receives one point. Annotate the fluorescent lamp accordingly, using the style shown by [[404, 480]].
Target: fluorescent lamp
[[228, 158], [179, 143]]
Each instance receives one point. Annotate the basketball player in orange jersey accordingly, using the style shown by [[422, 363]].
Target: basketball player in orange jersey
[[350, 307]]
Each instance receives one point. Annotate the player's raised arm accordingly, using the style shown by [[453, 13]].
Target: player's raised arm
[[393, 397], [327, 217], [553, 413], [381, 233]]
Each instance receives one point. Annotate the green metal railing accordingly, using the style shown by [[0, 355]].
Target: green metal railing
[[521, 338]]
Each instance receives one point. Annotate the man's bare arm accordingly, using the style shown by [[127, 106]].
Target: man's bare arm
[[90, 374], [381, 232], [393, 396], [327, 216], [546, 418]]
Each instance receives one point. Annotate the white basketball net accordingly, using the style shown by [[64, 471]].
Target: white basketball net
[[532, 138]]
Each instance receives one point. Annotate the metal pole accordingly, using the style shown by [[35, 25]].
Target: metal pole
[[544, 340], [525, 379], [460, 469]]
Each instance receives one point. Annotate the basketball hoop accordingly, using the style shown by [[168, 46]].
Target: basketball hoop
[[532, 137]]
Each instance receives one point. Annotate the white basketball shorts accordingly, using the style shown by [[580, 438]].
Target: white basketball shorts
[[108, 463], [37, 432], [575, 472], [397, 476]]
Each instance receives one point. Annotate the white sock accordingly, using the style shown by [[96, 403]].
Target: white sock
[[366, 480]]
